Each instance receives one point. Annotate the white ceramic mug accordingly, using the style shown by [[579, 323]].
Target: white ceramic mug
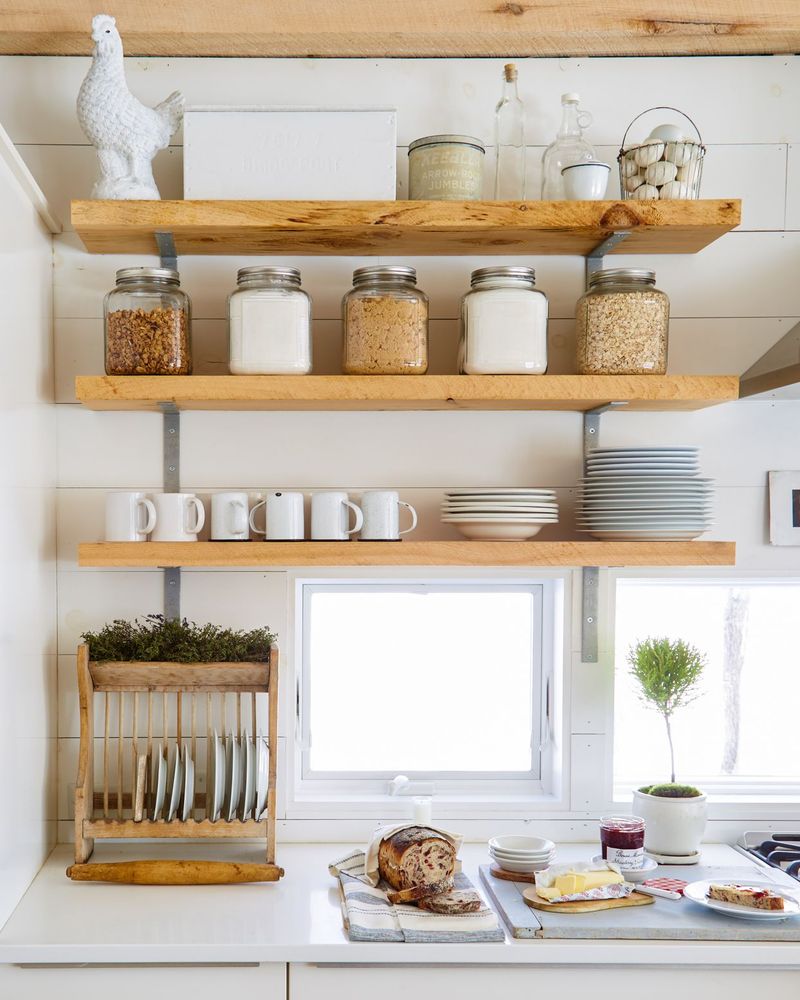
[[381, 509], [179, 516], [586, 181], [330, 516], [229, 517], [284, 517], [130, 517]]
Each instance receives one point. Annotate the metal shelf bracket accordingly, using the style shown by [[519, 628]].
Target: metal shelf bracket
[[171, 475], [166, 250]]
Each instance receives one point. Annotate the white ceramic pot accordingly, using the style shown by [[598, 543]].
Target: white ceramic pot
[[672, 826]]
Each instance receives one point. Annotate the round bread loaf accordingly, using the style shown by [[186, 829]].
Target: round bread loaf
[[416, 856]]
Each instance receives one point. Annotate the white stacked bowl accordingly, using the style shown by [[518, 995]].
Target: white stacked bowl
[[500, 513], [522, 855]]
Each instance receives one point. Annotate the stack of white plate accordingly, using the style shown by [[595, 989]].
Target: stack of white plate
[[497, 513], [523, 855], [644, 493]]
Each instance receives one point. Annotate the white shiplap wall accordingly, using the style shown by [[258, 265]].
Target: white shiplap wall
[[27, 542], [729, 304]]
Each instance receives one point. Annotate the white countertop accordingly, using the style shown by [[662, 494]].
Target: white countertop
[[295, 920]]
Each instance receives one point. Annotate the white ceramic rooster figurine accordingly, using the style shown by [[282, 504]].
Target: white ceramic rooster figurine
[[126, 134]]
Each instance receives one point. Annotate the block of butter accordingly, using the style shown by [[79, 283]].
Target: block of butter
[[561, 883]]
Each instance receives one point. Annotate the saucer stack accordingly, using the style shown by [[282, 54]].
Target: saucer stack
[[501, 514], [522, 855], [644, 493]]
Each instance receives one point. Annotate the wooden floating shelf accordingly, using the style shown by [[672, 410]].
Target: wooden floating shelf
[[397, 228], [404, 392], [342, 28], [405, 553]]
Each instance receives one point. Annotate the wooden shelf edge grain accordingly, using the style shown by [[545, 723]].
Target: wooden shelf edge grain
[[405, 553], [397, 228], [403, 392]]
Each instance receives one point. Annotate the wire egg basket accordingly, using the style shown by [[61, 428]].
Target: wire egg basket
[[667, 165]]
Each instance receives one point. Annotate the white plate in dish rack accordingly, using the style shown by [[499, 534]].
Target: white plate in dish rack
[[696, 892]]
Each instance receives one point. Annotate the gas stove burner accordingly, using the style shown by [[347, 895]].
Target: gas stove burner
[[780, 850]]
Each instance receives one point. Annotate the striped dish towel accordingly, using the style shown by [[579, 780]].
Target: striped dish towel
[[369, 916]]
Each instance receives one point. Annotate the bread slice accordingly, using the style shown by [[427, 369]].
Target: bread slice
[[457, 901], [745, 895], [419, 892]]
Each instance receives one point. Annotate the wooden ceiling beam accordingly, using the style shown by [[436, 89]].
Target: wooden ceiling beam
[[393, 28]]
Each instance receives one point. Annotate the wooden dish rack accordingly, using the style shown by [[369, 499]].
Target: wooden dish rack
[[151, 697]]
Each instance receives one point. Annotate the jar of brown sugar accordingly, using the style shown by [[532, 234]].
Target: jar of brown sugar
[[622, 324], [385, 320], [147, 320]]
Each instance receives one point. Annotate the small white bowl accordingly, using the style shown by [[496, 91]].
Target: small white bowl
[[586, 181], [513, 844]]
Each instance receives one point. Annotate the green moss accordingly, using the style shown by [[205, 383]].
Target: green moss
[[156, 639], [672, 791]]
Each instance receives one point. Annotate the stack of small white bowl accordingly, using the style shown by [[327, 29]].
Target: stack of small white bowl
[[644, 493], [500, 514], [522, 855]]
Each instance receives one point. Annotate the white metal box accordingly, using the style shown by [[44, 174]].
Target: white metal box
[[301, 153]]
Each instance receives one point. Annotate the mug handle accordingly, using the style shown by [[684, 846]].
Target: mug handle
[[402, 503], [258, 531], [239, 518], [359, 517], [150, 509], [200, 515]]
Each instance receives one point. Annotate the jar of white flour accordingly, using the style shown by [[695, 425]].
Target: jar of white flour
[[269, 321], [503, 324]]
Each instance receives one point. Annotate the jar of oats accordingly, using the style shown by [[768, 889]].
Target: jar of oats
[[622, 324], [147, 320], [385, 320]]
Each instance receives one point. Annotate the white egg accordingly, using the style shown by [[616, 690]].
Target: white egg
[[628, 166], [650, 152], [680, 153], [646, 192], [667, 133], [631, 183], [688, 173], [660, 173], [674, 190]]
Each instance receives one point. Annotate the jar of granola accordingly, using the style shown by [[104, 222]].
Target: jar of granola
[[147, 324], [622, 324], [385, 321]]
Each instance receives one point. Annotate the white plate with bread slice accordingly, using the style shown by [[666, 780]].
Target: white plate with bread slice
[[754, 891]]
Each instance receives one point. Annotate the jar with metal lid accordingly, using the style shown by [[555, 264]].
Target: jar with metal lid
[[269, 323], [147, 321], [622, 324], [385, 320], [503, 324], [445, 168]]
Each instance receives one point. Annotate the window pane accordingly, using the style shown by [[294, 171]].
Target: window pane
[[743, 725], [399, 679]]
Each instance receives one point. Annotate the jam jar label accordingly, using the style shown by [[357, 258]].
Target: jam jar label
[[628, 859]]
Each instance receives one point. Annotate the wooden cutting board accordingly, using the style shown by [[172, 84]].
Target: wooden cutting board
[[534, 900]]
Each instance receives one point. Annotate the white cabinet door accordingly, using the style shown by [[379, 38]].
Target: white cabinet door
[[139, 982], [505, 982]]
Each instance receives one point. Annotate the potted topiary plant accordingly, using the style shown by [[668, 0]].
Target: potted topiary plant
[[668, 673]]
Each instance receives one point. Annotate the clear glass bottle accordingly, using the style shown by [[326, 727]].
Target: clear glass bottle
[[509, 140], [568, 147], [622, 324], [385, 322], [503, 324], [269, 323], [147, 324]]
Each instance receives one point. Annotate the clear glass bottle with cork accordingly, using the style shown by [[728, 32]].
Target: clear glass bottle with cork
[[509, 137], [568, 147]]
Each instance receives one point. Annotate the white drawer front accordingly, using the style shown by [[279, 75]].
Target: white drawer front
[[135, 982]]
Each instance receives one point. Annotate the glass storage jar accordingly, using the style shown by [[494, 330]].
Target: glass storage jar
[[503, 324], [385, 320], [622, 324], [269, 323], [445, 168], [147, 321]]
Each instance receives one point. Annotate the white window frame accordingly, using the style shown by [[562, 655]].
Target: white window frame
[[731, 799], [353, 798]]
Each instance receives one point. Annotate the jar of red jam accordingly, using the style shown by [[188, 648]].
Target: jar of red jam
[[622, 841]]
